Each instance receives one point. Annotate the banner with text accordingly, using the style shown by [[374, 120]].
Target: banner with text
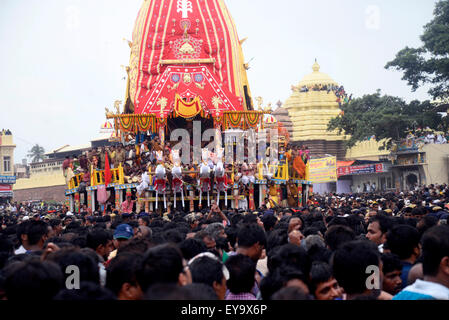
[[363, 169], [8, 179], [323, 170], [5, 187]]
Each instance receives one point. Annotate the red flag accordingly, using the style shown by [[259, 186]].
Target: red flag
[[107, 171]]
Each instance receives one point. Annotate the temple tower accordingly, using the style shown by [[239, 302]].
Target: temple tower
[[313, 103]]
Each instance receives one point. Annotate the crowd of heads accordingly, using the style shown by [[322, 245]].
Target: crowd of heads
[[6, 132], [418, 138], [326, 250], [339, 91]]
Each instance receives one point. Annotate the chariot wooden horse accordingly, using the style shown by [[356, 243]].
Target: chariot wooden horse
[[204, 183], [177, 181], [221, 183], [160, 184], [145, 183]]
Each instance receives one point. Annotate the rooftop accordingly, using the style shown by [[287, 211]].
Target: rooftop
[[68, 148], [45, 162]]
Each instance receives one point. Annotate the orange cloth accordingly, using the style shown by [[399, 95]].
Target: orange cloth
[[300, 167], [192, 175]]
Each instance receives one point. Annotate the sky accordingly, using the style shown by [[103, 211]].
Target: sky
[[62, 61]]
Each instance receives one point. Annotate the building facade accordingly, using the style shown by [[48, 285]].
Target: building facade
[[306, 115], [22, 170], [401, 170], [367, 166], [46, 182], [7, 177], [424, 165]]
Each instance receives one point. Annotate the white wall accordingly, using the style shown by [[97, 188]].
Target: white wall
[[344, 186], [323, 188], [437, 169]]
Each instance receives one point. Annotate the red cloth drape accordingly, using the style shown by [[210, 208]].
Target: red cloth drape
[[107, 171]]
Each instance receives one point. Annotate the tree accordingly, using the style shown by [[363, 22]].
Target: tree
[[384, 117], [428, 64], [36, 153]]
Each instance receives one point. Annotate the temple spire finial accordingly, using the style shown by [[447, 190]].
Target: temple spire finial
[[316, 66]]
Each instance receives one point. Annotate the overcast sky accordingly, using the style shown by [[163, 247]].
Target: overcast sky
[[60, 60]]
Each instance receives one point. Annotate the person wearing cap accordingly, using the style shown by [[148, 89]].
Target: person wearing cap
[[47, 218], [122, 235]]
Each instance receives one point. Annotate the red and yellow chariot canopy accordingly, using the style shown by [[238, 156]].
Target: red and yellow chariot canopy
[[186, 58]]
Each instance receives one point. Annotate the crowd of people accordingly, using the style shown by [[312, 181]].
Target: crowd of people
[[339, 91], [6, 132], [319, 251], [366, 187], [423, 137]]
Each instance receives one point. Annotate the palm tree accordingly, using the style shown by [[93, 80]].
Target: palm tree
[[36, 153]]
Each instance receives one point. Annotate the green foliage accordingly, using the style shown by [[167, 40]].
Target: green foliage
[[384, 117], [428, 64], [37, 153]]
